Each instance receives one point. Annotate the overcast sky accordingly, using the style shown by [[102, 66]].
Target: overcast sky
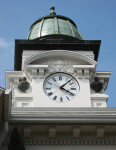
[[95, 19]]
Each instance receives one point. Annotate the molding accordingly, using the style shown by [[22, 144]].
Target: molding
[[36, 70], [99, 100], [67, 140], [51, 42], [84, 67], [103, 74], [59, 53], [99, 96], [28, 53], [37, 67], [63, 115], [71, 142], [28, 98], [87, 139], [85, 71], [12, 75]]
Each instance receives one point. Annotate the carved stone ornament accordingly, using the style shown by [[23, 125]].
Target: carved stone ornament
[[23, 85], [59, 64], [96, 85]]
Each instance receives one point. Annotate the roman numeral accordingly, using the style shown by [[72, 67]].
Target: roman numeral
[[54, 79], [49, 83], [55, 97], [60, 77], [71, 83], [50, 93], [67, 97], [72, 94], [73, 88], [61, 99], [48, 88], [66, 79]]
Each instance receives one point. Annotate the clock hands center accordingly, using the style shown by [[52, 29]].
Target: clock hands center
[[67, 91], [61, 88]]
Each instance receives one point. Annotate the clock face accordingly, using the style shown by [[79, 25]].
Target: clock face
[[61, 87]]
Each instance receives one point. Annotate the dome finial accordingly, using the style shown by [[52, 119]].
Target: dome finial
[[52, 10]]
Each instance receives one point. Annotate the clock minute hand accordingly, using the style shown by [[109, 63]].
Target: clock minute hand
[[65, 83]]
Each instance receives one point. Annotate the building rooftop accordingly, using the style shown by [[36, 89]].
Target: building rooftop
[[53, 25]]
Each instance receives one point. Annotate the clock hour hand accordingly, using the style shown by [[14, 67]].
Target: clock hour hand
[[65, 83], [67, 91], [57, 85]]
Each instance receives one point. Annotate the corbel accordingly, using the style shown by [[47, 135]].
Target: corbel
[[76, 132], [100, 131], [83, 70], [86, 73], [27, 132], [52, 132], [37, 70]]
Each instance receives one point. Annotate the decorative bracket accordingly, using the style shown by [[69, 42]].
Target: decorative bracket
[[96, 85], [37, 70], [84, 70], [76, 132], [100, 81], [52, 132], [27, 132], [100, 131], [23, 85]]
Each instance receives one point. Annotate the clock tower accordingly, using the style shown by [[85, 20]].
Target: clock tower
[[55, 97], [55, 67]]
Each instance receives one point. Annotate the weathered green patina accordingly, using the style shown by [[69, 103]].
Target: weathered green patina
[[54, 24]]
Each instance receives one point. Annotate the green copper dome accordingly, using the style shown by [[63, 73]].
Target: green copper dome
[[52, 25]]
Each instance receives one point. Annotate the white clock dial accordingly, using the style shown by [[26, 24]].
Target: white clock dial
[[61, 87]]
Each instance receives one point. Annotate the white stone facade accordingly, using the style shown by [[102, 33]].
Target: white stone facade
[[36, 66], [85, 122]]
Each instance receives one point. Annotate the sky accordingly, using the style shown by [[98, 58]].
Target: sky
[[95, 19]]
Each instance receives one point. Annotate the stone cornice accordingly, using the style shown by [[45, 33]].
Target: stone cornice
[[57, 43], [64, 115], [59, 53]]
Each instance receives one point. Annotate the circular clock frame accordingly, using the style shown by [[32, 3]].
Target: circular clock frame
[[61, 87]]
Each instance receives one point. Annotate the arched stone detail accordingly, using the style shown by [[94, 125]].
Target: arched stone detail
[[58, 54]]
